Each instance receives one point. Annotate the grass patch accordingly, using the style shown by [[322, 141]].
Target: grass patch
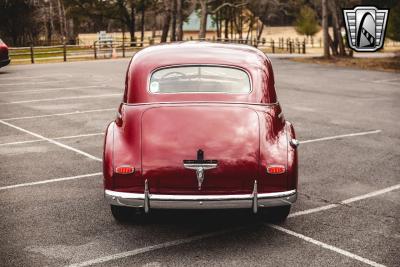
[[391, 64]]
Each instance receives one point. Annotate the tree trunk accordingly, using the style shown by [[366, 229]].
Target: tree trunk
[[179, 20], [251, 22], [203, 19], [325, 28], [142, 22], [60, 20], [231, 18], [66, 28], [241, 23], [132, 27], [217, 15], [226, 26], [50, 25], [166, 20], [337, 29], [260, 32], [173, 27]]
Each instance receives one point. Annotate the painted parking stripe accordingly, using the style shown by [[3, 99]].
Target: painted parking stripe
[[326, 246], [183, 241], [151, 248], [52, 89], [52, 141], [34, 77], [33, 82], [346, 201], [339, 136], [59, 114], [56, 138], [51, 181], [61, 98]]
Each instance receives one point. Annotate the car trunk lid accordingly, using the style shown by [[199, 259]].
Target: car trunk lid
[[182, 145]]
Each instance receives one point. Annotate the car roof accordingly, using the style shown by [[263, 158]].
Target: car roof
[[254, 61], [195, 52]]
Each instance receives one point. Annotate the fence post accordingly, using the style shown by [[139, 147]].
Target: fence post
[[298, 46], [65, 52], [273, 46], [123, 46], [304, 47], [32, 55], [94, 50], [290, 47]]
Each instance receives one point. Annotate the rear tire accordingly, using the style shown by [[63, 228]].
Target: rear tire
[[275, 214]]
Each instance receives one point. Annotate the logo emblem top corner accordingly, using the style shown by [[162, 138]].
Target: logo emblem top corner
[[365, 27]]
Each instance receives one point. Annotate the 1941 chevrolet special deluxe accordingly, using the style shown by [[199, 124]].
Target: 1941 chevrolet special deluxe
[[200, 127]]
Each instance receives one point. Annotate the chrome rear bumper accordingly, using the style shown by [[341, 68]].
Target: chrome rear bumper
[[158, 201]]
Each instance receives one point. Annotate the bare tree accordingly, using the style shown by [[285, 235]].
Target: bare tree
[[179, 20], [337, 29], [132, 28], [325, 28], [205, 11], [60, 19], [143, 10], [166, 20], [203, 19], [173, 26]]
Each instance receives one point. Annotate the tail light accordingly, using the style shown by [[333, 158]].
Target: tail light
[[276, 169], [126, 169]]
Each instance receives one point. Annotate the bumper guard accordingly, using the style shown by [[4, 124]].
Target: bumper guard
[[254, 200]]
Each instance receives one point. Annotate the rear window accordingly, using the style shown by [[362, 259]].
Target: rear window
[[200, 79]]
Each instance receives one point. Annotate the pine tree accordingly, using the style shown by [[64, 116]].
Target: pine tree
[[306, 22]]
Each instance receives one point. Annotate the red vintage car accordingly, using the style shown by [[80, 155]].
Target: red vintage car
[[4, 59], [200, 127]]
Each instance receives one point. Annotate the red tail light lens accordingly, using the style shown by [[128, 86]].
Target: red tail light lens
[[276, 169], [124, 169]]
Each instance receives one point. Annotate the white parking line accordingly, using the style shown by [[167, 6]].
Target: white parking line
[[339, 136], [61, 98], [326, 246], [59, 114], [151, 248], [388, 81], [346, 201], [56, 138], [52, 141], [52, 89], [16, 77], [51, 181], [33, 82], [183, 241]]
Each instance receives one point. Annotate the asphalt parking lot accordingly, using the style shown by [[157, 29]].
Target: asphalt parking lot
[[52, 212]]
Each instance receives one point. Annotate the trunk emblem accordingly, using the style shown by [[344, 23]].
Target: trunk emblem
[[200, 165]]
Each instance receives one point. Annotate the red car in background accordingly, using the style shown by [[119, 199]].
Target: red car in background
[[4, 59], [200, 127]]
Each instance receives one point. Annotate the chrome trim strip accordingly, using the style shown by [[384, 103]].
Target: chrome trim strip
[[181, 103], [294, 143], [162, 201], [146, 203], [205, 166], [255, 198]]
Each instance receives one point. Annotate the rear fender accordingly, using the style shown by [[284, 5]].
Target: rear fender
[[108, 150], [121, 148], [273, 150], [292, 168]]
